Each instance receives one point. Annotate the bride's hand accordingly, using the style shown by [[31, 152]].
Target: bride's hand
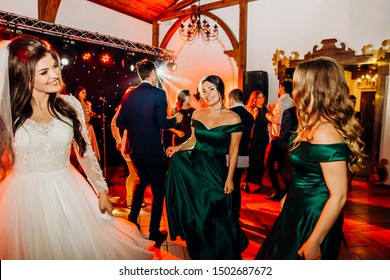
[[104, 203]]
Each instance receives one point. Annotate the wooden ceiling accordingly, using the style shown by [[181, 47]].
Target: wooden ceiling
[[146, 10], [154, 10]]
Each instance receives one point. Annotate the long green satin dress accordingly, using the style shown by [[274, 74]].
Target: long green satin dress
[[303, 205], [198, 209]]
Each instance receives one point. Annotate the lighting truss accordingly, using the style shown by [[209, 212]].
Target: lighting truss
[[17, 22]]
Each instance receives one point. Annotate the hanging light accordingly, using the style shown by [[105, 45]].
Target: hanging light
[[171, 65], [198, 28], [367, 81]]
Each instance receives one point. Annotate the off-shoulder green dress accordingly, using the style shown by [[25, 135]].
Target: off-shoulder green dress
[[198, 209], [304, 203]]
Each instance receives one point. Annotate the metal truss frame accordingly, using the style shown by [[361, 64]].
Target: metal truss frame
[[17, 22]]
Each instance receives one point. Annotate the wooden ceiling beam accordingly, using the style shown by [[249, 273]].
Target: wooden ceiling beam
[[111, 5], [242, 43], [47, 10], [178, 6], [207, 7]]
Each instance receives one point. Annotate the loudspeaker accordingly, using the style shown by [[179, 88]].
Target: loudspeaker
[[255, 80]]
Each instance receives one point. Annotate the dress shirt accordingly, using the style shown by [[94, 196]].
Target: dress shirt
[[284, 102]]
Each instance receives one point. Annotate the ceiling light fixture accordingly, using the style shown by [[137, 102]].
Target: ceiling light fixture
[[367, 81], [171, 65], [198, 28]]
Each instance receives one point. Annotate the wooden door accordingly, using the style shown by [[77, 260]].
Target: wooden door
[[367, 109]]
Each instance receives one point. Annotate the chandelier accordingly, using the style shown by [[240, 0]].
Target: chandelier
[[367, 81], [198, 28]]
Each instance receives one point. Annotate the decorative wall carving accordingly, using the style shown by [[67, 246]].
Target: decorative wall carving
[[345, 56], [377, 54], [370, 69], [279, 57]]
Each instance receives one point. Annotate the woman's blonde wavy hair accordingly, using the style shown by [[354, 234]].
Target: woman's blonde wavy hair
[[320, 84]]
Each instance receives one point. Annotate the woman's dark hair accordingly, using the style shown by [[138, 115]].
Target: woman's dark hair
[[217, 81], [197, 95], [77, 91], [25, 52], [180, 97]]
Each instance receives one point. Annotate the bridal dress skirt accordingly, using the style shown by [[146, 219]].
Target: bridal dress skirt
[[55, 215]]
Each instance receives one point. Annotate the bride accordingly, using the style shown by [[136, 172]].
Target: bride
[[47, 209]]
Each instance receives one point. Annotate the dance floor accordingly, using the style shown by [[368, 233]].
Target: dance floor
[[366, 224]]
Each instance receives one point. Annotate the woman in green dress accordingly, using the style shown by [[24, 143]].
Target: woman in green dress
[[199, 183], [326, 144]]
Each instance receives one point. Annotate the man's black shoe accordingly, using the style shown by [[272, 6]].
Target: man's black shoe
[[159, 237], [245, 188], [274, 197]]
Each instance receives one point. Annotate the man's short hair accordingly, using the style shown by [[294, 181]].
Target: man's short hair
[[237, 95], [145, 68], [288, 86]]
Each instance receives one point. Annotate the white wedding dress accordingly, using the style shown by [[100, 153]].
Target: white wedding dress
[[49, 211]]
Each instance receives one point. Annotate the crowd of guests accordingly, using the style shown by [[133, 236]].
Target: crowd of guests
[[310, 138]]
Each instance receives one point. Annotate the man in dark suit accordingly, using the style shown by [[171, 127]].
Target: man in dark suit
[[143, 114], [236, 99], [288, 127]]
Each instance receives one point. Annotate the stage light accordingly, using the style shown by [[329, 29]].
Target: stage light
[[65, 61], [171, 65], [66, 58], [67, 51], [105, 58], [67, 54], [130, 65], [160, 71], [128, 61], [86, 56]]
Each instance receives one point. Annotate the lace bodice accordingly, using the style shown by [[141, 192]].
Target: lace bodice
[[41, 148]]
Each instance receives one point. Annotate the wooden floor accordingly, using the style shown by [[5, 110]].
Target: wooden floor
[[366, 224]]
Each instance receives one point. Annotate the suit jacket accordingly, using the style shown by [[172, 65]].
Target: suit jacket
[[289, 125], [247, 121], [143, 114]]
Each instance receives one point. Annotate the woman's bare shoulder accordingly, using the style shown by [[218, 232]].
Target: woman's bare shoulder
[[233, 116], [198, 113], [326, 133]]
